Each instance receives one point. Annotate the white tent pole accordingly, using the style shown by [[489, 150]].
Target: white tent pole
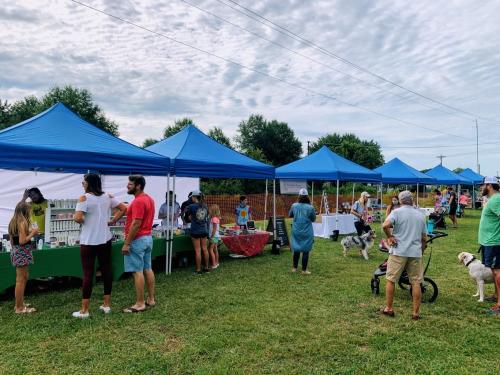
[[337, 207], [265, 205], [167, 232], [172, 228], [274, 210]]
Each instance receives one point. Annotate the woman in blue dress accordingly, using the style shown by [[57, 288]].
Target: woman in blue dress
[[303, 215]]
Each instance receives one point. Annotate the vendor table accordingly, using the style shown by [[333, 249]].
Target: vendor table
[[65, 261], [328, 225], [248, 245]]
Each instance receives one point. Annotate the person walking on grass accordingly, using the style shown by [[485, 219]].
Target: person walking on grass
[[453, 205], [21, 233], [214, 235], [406, 235], [489, 235], [139, 243], [93, 212], [197, 213], [303, 215]]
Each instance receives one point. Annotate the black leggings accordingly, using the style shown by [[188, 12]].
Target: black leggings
[[361, 227], [88, 254], [305, 259]]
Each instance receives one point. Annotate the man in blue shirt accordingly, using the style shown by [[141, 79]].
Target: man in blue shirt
[[243, 212]]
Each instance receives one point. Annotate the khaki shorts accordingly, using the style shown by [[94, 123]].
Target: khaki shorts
[[396, 265]]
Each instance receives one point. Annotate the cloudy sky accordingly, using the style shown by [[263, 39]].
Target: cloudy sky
[[442, 49]]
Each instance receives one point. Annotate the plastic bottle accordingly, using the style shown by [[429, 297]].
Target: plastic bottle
[[39, 246]]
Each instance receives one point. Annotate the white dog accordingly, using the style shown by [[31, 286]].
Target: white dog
[[363, 242], [477, 271]]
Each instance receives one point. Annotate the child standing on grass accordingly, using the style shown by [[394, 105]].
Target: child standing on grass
[[21, 256], [214, 235]]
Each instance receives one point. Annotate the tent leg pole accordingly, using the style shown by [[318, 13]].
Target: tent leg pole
[[275, 247], [174, 225], [167, 232], [265, 205], [337, 208]]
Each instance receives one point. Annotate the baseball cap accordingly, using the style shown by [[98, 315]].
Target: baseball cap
[[491, 180], [365, 194], [303, 192], [196, 193]]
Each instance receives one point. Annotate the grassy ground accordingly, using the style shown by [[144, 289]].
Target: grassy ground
[[253, 317]]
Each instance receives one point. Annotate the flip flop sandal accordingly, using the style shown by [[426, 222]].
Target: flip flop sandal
[[26, 310], [133, 310], [383, 311]]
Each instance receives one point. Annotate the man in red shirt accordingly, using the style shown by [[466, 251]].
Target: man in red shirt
[[139, 243]]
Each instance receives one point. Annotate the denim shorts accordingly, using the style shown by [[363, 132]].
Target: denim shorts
[[139, 258], [491, 256]]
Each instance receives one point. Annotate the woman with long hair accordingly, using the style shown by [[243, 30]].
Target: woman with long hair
[[21, 233], [303, 215], [394, 204], [93, 212], [197, 212], [360, 210]]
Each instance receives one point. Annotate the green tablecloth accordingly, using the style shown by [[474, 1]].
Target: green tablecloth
[[65, 261]]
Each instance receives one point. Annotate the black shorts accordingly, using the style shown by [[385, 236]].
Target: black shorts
[[199, 235], [453, 210], [491, 256]]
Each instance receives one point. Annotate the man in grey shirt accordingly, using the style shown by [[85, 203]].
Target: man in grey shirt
[[406, 233]]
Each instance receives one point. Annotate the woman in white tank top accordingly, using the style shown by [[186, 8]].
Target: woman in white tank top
[[93, 212]]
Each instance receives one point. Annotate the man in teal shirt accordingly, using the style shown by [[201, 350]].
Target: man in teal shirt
[[489, 235]]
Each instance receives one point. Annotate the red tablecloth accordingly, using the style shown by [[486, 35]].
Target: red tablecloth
[[246, 244]]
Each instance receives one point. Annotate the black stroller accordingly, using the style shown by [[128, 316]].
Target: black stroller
[[439, 218], [429, 287]]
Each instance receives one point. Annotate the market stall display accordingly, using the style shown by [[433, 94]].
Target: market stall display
[[328, 224], [65, 261], [247, 243]]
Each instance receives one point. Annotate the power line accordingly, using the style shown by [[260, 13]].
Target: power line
[[353, 77], [291, 34], [261, 72]]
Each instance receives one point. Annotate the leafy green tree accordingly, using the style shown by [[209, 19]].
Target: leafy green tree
[[365, 153], [148, 142], [78, 100], [458, 170], [4, 113], [276, 140], [177, 126], [217, 134]]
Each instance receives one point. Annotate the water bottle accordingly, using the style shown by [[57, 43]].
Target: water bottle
[[39, 246]]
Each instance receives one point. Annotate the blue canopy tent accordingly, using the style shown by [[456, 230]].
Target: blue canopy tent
[[57, 140], [474, 177], [325, 165], [398, 172], [444, 176], [194, 154]]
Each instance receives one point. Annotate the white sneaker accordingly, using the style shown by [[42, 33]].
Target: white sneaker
[[80, 315], [105, 309]]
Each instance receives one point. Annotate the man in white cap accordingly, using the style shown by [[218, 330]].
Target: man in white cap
[[406, 235], [489, 235]]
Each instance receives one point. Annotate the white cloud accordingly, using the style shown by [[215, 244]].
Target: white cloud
[[447, 50]]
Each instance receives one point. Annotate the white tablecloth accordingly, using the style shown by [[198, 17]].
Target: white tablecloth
[[427, 210], [328, 225]]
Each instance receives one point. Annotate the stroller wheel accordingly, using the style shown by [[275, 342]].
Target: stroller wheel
[[429, 290], [375, 285]]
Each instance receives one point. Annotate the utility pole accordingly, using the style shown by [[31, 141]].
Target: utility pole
[[477, 148], [441, 157]]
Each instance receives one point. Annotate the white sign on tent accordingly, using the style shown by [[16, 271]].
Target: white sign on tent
[[292, 186]]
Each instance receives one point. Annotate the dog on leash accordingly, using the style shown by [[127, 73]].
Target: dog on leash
[[477, 271], [363, 243]]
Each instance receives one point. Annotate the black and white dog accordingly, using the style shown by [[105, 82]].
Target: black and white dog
[[477, 271], [363, 243]]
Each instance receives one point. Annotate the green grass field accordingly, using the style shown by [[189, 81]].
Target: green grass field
[[252, 316]]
